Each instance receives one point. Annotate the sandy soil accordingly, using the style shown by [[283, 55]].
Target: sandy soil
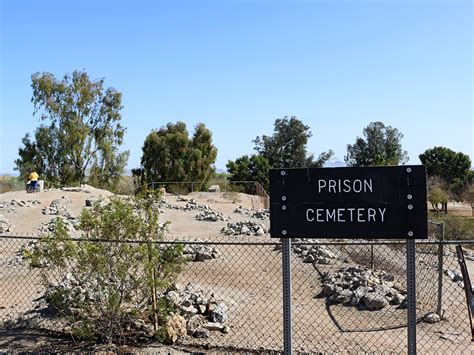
[[248, 278]]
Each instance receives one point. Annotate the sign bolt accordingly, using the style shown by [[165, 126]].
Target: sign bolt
[[283, 207], [410, 234], [283, 198], [283, 172], [410, 207], [283, 232], [408, 170], [409, 196]]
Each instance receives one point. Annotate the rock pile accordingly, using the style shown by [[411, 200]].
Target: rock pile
[[32, 246], [91, 201], [319, 254], [69, 220], [363, 288], [57, 207], [259, 214], [192, 205], [12, 204], [243, 210], [455, 276], [202, 314], [199, 252], [195, 314], [431, 318], [207, 213], [169, 206], [245, 228], [211, 216], [69, 291], [5, 224]]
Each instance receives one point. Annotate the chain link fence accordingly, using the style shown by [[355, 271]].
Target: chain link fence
[[347, 296]]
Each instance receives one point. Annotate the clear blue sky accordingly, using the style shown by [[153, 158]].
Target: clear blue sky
[[239, 65]]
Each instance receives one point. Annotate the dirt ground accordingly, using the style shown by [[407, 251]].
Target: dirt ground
[[247, 278]]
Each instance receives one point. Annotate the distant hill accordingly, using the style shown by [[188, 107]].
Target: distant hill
[[335, 164]]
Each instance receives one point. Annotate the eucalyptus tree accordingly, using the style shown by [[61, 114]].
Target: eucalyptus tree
[[79, 129]]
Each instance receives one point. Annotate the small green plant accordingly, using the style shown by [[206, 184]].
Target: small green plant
[[107, 282], [437, 196], [11, 183], [456, 227]]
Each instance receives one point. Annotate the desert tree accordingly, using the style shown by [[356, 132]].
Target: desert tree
[[79, 128], [285, 148], [451, 167], [253, 168], [169, 154], [381, 145]]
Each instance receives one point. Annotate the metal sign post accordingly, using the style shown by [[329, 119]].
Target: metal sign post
[[411, 296], [287, 325]]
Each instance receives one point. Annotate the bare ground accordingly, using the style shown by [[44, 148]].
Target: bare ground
[[248, 278]]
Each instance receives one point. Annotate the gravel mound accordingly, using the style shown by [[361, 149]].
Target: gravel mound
[[11, 205], [57, 207], [202, 313], [211, 216], [319, 254], [244, 228], [362, 288], [198, 252], [258, 214]]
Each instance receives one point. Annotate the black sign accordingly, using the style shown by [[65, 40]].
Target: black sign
[[372, 202]]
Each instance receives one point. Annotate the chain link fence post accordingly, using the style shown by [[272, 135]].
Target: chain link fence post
[[411, 296], [439, 308], [287, 326]]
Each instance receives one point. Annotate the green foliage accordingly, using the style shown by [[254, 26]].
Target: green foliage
[[253, 168], [456, 227], [451, 167], [170, 155], [111, 281], [124, 186], [286, 148], [221, 176], [380, 146], [80, 130], [437, 196], [11, 183]]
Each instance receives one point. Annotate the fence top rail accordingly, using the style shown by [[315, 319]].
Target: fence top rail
[[276, 242], [202, 182], [134, 241]]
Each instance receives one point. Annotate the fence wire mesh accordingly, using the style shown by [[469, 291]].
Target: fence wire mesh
[[347, 296]]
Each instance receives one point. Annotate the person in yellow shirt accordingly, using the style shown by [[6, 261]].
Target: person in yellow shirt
[[33, 180]]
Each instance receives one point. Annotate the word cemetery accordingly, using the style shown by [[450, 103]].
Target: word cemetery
[[372, 202], [341, 215]]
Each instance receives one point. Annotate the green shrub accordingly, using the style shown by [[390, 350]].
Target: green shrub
[[11, 183], [124, 186], [104, 286], [456, 227], [437, 196]]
